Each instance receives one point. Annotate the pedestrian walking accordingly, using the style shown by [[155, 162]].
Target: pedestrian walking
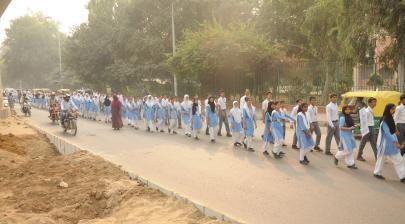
[[367, 130], [293, 124], [388, 145], [332, 116], [222, 114], [116, 108], [196, 118], [186, 114], [313, 119], [236, 123], [249, 123], [267, 135], [399, 118], [304, 136]]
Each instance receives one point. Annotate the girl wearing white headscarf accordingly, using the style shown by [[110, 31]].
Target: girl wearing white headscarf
[[185, 110], [149, 113], [236, 124]]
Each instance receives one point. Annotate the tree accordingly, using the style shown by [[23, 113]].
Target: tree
[[375, 80], [30, 52], [216, 57]]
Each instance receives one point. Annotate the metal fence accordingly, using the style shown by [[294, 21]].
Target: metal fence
[[292, 80]]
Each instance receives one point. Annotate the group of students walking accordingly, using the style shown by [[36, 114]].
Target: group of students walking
[[161, 114]]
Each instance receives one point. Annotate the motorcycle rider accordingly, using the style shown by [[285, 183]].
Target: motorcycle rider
[[66, 106], [25, 102], [52, 103]]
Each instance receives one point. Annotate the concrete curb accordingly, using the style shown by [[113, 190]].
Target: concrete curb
[[65, 147]]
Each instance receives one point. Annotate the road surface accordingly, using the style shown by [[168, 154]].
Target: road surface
[[244, 185]]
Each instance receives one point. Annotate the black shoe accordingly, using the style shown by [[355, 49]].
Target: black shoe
[[354, 167], [219, 134], [266, 153], [206, 133], [196, 138], [244, 145], [238, 144], [168, 130], [251, 150], [402, 180], [276, 156], [294, 147], [174, 132], [360, 158], [212, 140], [284, 145], [303, 162], [235, 144], [336, 161], [306, 159], [282, 153], [379, 176], [162, 131], [318, 149], [328, 154], [228, 135]]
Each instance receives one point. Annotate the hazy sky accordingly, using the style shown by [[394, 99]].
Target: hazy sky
[[68, 13]]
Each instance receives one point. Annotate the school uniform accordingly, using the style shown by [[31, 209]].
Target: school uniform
[[367, 131], [186, 116], [347, 144], [277, 121], [137, 107], [386, 148], [313, 119], [304, 142], [161, 116], [249, 119], [267, 135], [172, 114], [236, 124], [196, 122], [213, 121], [149, 114], [294, 123]]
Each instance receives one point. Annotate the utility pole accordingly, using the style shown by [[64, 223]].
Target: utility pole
[[174, 49], [60, 60]]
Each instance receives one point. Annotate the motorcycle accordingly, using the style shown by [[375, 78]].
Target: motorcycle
[[54, 114], [26, 109], [70, 123]]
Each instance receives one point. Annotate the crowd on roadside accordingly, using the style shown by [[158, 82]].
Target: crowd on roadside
[[169, 114]]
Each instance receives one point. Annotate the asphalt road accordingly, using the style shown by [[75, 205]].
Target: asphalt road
[[244, 185]]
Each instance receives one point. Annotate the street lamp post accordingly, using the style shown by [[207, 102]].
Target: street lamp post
[[60, 60], [174, 50]]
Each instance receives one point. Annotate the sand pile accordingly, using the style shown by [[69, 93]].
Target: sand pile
[[39, 186]]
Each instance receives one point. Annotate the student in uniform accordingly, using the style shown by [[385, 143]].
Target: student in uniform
[[267, 135], [277, 121], [347, 141], [249, 123], [137, 104], [172, 111], [313, 120], [283, 111], [332, 117], [107, 109], [212, 118], [236, 123], [367, 128], [148, 113], [161, 115], [388, 145], [293, 124], [196, 119], [304, 136], [399, 118], [186, 115]]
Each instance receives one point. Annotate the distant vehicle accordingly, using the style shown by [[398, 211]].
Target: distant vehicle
[[70, 123], [26, 109], [12, 91]]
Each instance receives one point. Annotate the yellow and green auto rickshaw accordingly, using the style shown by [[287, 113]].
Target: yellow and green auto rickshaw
[[354, 99]]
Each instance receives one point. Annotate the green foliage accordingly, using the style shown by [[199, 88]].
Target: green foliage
[[216, 52], [375, 80], [30, 52]]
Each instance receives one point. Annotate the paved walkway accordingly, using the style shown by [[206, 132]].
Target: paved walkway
[[244, 185]]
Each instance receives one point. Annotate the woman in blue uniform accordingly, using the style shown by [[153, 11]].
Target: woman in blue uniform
[[249, 123], [196, 118], [149, 113], [185, 110], [278, 119], [212, 118], [304, 138], [267, 136], [235, 116], [347, 141], [388, 145]]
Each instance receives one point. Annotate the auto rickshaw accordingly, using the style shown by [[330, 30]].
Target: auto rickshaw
[[355, 99]]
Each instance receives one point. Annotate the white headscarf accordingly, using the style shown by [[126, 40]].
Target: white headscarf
[[236, 112], [149, 101], [186, 104], [248, 110]]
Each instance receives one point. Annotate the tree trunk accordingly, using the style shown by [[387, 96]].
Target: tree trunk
[[326, 86]]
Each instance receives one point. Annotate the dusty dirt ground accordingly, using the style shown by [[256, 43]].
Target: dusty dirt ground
[[37, 185]]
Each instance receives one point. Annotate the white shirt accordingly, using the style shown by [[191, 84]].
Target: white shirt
[[242, 101], [265, 104], [332, 113], [222, 103], [370, 117], [399, 115], [294, 113], [313, 113]]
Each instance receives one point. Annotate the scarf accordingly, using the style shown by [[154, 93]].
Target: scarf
[[236, 113]]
